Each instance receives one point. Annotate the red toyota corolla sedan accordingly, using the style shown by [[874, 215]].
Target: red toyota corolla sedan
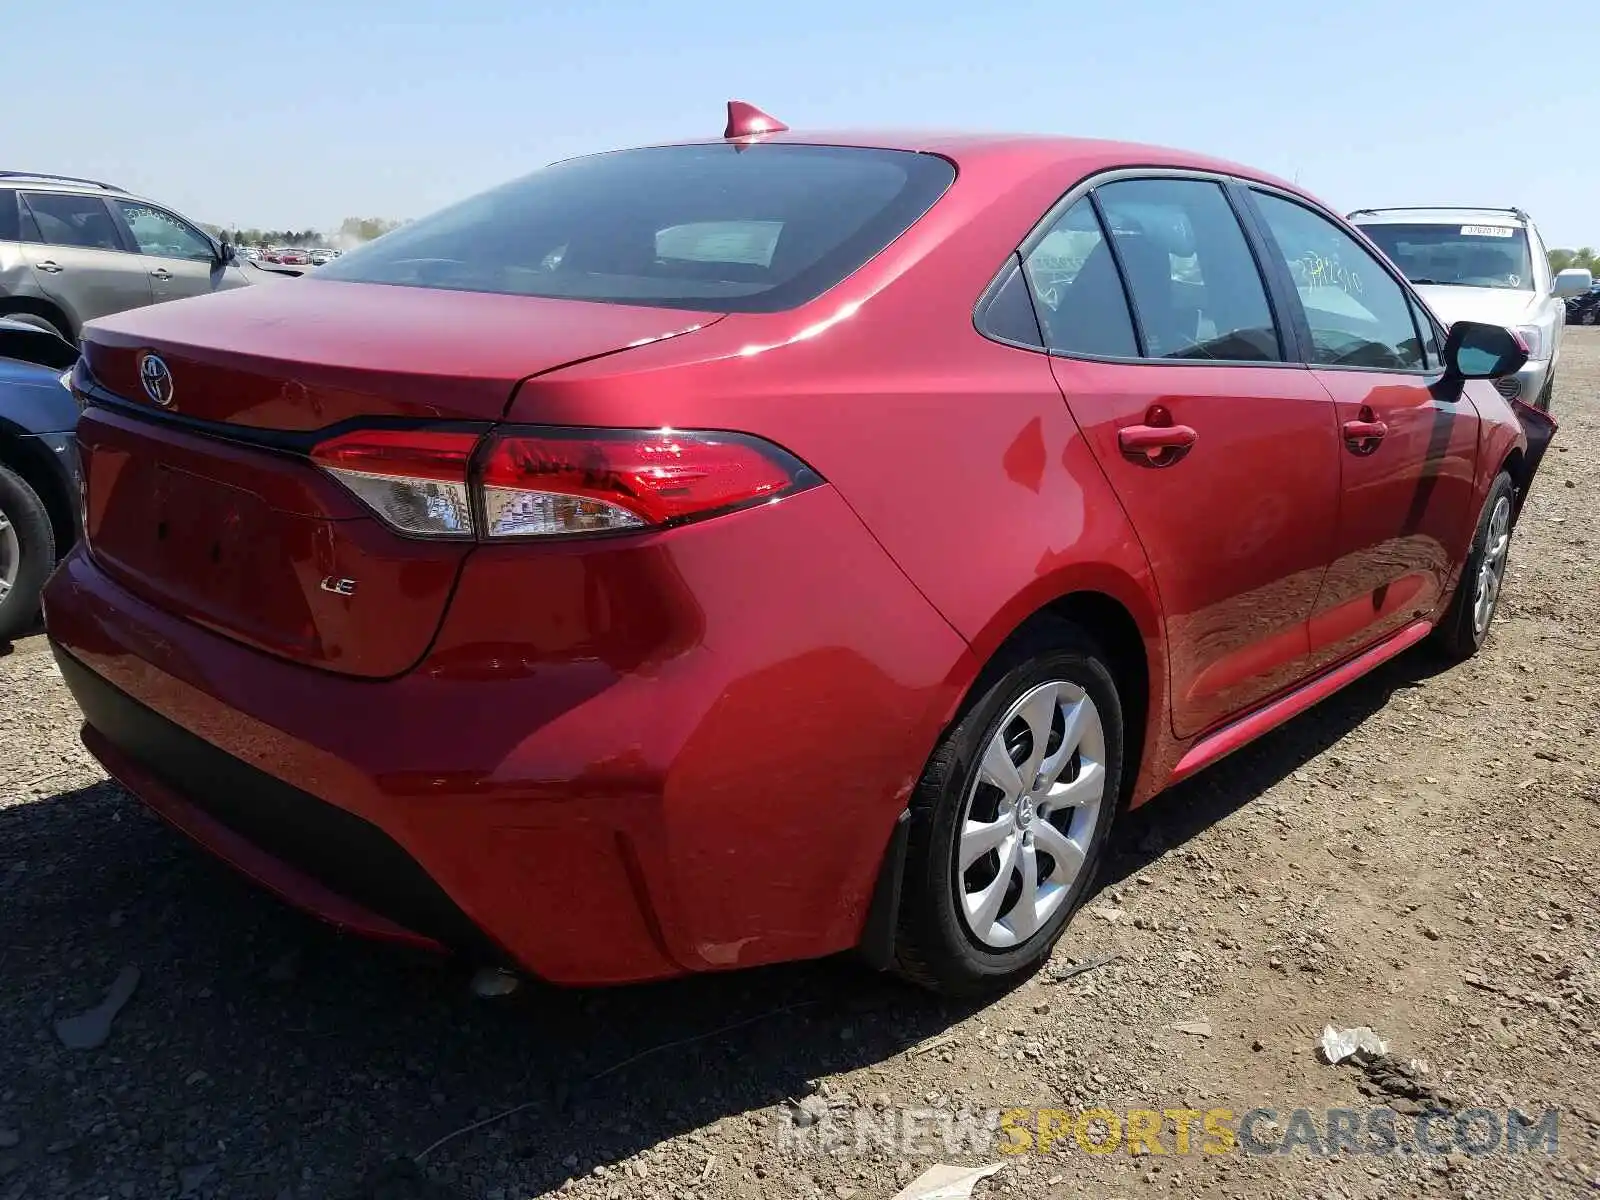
[[714, 554]]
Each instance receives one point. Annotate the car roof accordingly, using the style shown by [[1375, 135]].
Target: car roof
[[1440, 215], [24, 181]]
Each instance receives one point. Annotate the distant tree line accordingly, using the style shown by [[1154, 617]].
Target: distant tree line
[[351, 229], [1560, 260]]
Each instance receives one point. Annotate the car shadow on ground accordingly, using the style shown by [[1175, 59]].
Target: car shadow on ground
[[326, 1065]]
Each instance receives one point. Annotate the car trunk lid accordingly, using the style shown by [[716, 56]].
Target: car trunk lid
[[208, 503], [306, 354]]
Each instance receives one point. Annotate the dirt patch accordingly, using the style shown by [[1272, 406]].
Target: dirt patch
[[1420, 855]]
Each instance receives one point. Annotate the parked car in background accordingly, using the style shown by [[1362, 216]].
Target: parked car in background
[[1484, 264], [1584, 309], [322, 255], [38, 467], [604, 575], [75, 249], [290, 256]]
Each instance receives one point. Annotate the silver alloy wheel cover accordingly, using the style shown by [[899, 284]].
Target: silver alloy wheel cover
[[10, 555], [1491, 572], [1047, 804]]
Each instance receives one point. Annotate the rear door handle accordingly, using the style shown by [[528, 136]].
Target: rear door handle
[[161, 273], [50, 265], [1156, 444]]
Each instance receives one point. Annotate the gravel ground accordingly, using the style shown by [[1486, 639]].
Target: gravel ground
[[1419, 855]]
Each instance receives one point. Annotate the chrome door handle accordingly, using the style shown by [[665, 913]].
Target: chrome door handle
[[50, 265], [161, 273]]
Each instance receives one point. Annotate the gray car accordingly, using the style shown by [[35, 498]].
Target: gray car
[[75, 249]]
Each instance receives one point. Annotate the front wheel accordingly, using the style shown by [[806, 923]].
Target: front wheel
[[27, 553], [1010, 818], [1466, 623]]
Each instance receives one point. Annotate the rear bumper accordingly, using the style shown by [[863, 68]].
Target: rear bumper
[[700, 771], [262, 826]]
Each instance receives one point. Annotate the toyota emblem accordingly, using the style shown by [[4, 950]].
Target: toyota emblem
[[157, 379]]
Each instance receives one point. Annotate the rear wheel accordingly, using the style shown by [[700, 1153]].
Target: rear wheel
[[1009, 821], [1467, 622], [27, 553]]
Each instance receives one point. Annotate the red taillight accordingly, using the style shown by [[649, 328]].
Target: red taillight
[[555, 481], [416, 480], [538, 483]]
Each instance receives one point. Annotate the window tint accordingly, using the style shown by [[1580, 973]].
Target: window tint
[[10, 224], [162, 234], [1359, 315], [65, 219], [1194, 281], [1081, 304], [747, 228]]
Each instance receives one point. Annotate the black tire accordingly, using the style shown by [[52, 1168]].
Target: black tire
[[934, 947], [1459, 635], [21, 507]]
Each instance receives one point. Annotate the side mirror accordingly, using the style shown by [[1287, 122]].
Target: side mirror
[[1574, 281], [1474, 350], [226, 253]]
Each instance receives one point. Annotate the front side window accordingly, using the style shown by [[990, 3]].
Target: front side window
[[1080, 301], [724, 228], [160, 233], [1358, 314], [1471, 254], [1196, 289], [67, 219]]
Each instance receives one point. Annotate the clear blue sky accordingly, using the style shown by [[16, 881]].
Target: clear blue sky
[[300, 113]]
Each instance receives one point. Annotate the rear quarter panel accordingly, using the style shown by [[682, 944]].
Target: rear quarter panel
[[958, 453]]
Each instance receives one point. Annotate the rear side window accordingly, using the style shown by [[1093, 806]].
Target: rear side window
[[66, 219], [748, 228], [1196, 289], [1081, 304], [10, 222]]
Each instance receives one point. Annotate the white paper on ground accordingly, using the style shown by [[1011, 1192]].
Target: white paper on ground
[[1340, 1044], [945, 1182]]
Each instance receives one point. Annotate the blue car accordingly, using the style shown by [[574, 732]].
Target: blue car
[[39, 493]]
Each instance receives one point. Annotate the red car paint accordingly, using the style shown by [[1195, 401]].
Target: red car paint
[[639, 755]]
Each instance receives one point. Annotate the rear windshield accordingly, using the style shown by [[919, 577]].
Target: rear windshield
[[725, 228], [1472, 254]]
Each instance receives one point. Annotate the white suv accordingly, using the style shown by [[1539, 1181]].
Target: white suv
[[1483, 264]]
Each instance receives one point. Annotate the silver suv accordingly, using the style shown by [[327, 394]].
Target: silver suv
[[1483, 264], [75, 249]]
